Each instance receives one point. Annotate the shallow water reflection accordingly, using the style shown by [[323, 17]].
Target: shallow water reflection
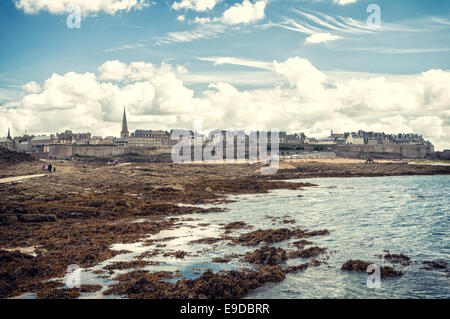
[[365, 216]]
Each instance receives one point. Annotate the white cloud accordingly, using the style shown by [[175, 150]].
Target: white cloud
[[302, 75], [430, 126], [86, 6], [321, 38], [307, 100], [202, 20], [113, 70], [181, 18], [32, 87], [202, 31], [196, 5], [208, 28], [245, 12], [136, 71], [319, 25], [344, 2], [239, 61]]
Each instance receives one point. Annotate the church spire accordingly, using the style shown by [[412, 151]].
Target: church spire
[[9, 135], [124, 132]]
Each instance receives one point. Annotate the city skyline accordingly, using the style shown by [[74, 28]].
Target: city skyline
[[296, 66], [145, 138]]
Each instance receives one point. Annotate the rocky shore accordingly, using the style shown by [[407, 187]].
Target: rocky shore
[[75, 215]]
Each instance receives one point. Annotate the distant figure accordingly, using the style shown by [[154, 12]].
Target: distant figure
[[369, 160], [49, 168], [44, 168], [54, 169]]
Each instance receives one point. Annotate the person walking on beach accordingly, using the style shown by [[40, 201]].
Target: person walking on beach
[[49, 168], [54, 169]]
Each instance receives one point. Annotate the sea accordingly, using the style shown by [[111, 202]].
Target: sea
[[366, 217]]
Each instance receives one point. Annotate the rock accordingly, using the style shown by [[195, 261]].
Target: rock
[[270, 236], [90, 288], [236, 225], [8, 219], [361, 266], [355, 265], [295, 269], [307, 253], [398, 259], [387, 272], [37, 218], [267, 256], [434, 265]]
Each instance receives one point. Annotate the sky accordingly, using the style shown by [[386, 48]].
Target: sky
[[297, 65]]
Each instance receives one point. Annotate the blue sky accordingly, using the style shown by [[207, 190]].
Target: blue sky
[[233, 47], [36, 45]]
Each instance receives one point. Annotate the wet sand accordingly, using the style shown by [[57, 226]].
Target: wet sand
[[19, 178], [75, 215]]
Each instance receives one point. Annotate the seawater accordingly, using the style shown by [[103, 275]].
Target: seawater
[[364, 215]]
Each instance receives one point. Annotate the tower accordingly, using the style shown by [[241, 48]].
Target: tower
[[124, 132], [9, 135]]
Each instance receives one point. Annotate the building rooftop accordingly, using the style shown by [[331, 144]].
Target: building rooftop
[[41, 138]]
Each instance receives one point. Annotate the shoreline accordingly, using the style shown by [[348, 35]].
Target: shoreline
[[92, 206]]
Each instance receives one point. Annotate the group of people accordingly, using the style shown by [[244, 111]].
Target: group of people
[[49, 168], [114, 163], [369, 160]]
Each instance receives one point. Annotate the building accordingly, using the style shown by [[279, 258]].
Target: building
[[339, 138], [124, 133], [107, 141], [149, 138], [7, 142], [296, 138], [320, 141], [282, 137], [68, 137], [20, 139], [42, 143], [24, 147], [354, 139], [121, 142]]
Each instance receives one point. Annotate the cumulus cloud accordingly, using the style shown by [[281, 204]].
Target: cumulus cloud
[[86, 6], [309, 100], [32, 87], [196, 5], [321, 38], [304, 77], [245, 12]]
